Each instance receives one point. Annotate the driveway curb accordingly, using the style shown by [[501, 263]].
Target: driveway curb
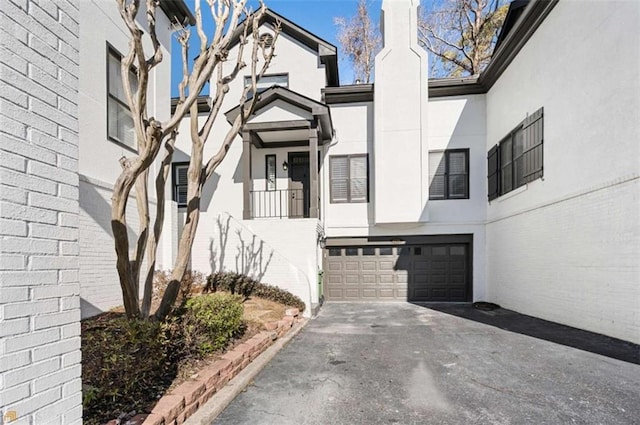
[[208, 412]]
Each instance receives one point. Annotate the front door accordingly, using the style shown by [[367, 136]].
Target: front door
[[298, 184]]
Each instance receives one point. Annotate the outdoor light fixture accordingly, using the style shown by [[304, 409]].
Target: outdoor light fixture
[[285, 165]]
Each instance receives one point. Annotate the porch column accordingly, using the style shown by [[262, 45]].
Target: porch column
[[313, 170], [246, 175]]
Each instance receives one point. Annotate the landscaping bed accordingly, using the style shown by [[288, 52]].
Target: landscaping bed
[[128, 365]]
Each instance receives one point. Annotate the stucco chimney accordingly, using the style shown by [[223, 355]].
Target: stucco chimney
[[400, 137]]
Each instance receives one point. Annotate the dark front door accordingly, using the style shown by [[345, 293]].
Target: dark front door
[[299, 184]]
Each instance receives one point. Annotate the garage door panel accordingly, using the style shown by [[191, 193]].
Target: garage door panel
[[334, 266], [385, 265], [386, 293], [369, 293], [332, 279], [369, 279], [352, 279], [421, 272], [369, 265], [352, 266], [385, 279], [352, 293]]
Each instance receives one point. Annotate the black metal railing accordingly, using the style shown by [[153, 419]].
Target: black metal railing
[[290, 203]]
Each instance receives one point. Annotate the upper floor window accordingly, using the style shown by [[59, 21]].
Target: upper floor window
[[119, 119], [349, 178], [180, 183], [267, 81], [517, 159], [449, 174]]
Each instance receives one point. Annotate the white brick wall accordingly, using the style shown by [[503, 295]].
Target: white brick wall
[[39, 302], [278, 252], [99, 284], [572, 261]]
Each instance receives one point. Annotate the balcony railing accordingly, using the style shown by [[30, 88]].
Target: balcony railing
[[288, 203]]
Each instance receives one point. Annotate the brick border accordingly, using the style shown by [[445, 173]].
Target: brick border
[[183, 401]]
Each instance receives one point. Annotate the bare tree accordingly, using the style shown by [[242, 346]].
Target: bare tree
[[360, 40], [232, 23], [461, 35]]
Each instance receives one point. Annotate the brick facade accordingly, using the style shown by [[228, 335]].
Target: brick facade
[[40, 302]]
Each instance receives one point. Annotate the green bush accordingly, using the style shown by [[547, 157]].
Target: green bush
[[212, 320], [124, 363], [244, 285]]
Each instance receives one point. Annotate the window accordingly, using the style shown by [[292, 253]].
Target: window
[[449, 174], [180, 183], [348, 176], [119, 119], [517, 159], [267, 81], [270, 172]]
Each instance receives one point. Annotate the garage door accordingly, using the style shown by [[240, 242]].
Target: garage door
[[425, 272]]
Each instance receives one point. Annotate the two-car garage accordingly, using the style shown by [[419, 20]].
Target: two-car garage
[[416, 269]]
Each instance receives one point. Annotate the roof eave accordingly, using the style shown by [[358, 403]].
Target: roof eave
[[177, 12]]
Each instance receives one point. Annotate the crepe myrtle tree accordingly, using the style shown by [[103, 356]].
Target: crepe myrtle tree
[[233, 26]]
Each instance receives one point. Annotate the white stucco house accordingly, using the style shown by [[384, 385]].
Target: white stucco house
[[519, 186]]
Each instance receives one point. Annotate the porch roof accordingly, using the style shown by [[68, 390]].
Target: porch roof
[[291, 127]]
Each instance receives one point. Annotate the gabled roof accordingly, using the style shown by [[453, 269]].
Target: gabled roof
[[177, 11], [326, 51], [516, 7], [320, 111]]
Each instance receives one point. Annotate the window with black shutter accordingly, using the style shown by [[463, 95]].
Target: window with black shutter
[[518, 158], [180, 183], [449, 174], [348, 178]]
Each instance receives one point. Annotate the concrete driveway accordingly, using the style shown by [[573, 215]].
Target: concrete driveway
[[406, 364]]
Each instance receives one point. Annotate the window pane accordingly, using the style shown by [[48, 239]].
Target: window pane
[[518, 143], [335, 252], [120, 125], [181, 195], [505, 151], [351, 252], [358, 190], [271, 172], [358, 167], [507, 179], [386, 251], [417, 250], [457, 162], [368, 251], [115, 77], [458, 186], [339, 167], [436, 164], [181, 174], [339, 190], [436, 189]]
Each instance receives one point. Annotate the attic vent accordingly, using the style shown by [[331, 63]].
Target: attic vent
[[266, 41]]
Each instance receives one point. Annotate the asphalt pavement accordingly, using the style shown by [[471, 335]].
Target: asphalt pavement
[[398, 363]]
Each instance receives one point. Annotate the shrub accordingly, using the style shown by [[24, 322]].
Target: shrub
[[124, 362], [192, 282], [211, 321], [244, 285]]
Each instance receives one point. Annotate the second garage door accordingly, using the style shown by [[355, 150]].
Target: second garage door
[[424, 272]]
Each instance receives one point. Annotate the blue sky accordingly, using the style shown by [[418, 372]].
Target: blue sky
[[315, 16]]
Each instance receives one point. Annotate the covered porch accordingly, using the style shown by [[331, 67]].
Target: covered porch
[[280, 155]]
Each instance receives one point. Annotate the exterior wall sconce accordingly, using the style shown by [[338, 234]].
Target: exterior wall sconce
[[285, 165]]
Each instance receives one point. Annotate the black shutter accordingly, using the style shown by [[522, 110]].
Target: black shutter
[[493, 173], [533, 138]]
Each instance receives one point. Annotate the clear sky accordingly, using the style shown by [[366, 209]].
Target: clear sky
[[316, 16]]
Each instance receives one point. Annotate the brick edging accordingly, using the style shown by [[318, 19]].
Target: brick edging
[[183, 401]]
